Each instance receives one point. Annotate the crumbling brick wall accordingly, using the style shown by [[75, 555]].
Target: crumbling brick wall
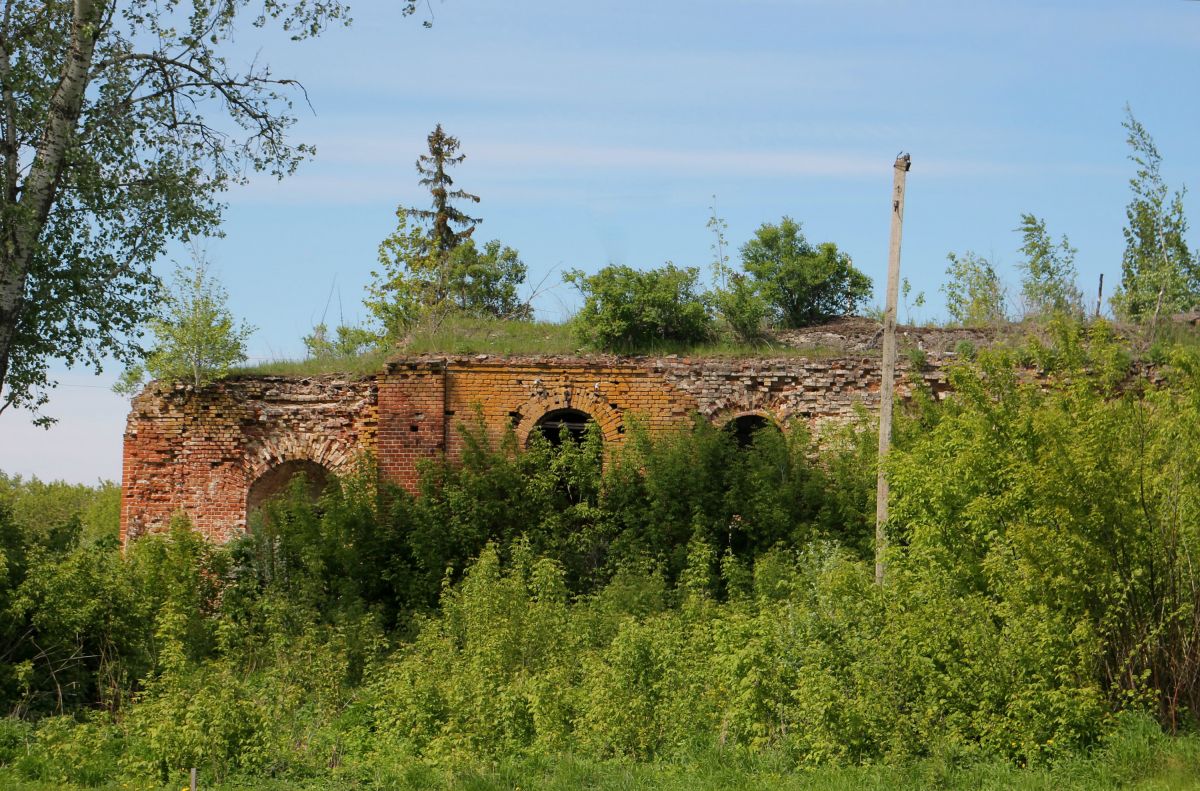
[[200, 452]]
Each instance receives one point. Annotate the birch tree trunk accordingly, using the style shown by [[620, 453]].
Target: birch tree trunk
[[25, 216]]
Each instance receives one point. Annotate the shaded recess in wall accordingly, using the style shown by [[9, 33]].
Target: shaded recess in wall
[[276, 480], [553, 423], [744, 427]]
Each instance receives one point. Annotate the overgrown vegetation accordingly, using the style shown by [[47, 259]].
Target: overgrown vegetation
[[647, 611], [1159, 272], [626, 309], [196, 339]]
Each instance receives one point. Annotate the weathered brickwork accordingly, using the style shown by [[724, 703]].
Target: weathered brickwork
[[200, 452]]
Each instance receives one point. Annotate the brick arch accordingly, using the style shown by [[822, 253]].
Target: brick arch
[[587, 400], [334, 454], [277, 479], [731, 422], [726, 416]]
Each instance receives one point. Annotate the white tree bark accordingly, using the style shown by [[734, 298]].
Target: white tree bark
[[27, 218]]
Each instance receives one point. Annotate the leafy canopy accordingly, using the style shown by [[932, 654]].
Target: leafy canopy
[[627, 309], [1158, 271], [345, 341], [430, 268], [417, 279], [196, 339], [801, 283], [443, 153], [123, 123], [974, 294], [1047, 271]]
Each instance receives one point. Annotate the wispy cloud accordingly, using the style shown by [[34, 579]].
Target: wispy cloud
[[354, 174]]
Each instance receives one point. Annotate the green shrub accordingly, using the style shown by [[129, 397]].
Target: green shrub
[[66, 751], [974, 293], [206, 717], [743, 309], [628, 310], [801, 283]]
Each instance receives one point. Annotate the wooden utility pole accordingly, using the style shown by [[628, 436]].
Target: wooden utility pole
[[888, 383]]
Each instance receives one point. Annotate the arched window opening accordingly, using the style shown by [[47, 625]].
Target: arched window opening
[[277, 479], [744, 427], [552, 424]]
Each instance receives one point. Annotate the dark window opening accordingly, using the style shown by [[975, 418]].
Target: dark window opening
[[745, 427], [276, 480], [574, 421]]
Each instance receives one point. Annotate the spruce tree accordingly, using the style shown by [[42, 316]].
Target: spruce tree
[[432, 266], [444, 216]]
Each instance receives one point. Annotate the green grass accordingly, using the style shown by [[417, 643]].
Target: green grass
[[467, 336], [1138, 757], [462, 335], [363, 365]]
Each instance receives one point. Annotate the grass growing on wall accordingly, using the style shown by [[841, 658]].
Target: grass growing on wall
[[363, 365], [463, 335]]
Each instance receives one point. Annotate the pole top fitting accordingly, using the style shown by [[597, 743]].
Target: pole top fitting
[[903, 162]]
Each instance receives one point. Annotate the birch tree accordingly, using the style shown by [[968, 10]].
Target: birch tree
[[197, 338], [122, 122]]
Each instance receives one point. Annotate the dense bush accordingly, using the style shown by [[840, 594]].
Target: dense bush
[[802, 283], [678, 597], [1075, 506], [809, 658], [627, 309]]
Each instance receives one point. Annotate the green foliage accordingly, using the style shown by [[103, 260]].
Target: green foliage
[[965, 349], [443, 154], [803, 284], [1070, 506], [125, 126], [918, 300], [816, 664], [196, 338], [420, 281], [743, 308], [411, 268], [1136, 756], [1158, 271], [1047, 272], [346, 343], [679, 599], [68, 633], [720, 264], [484, 282], [974, 294], [59, 514], [627, 309], [429, 271]]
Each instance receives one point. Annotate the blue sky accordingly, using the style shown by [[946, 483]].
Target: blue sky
[[599, 132]]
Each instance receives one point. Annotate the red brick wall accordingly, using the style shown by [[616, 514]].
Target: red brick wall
[[412, 418], [198, 452]]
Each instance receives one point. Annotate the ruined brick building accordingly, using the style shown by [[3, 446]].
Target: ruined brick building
[[217, 452]]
